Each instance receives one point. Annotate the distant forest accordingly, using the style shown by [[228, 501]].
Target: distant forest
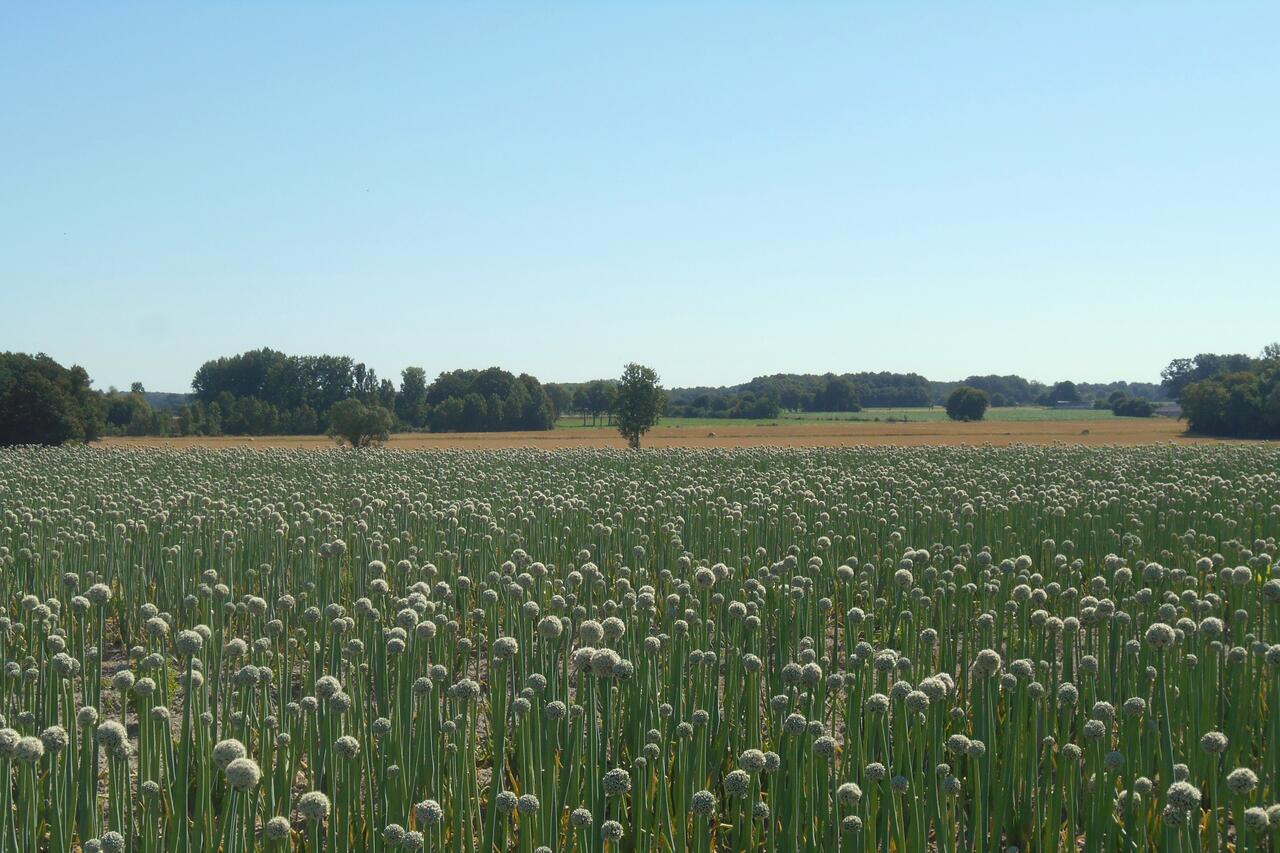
[[265, 392], [262, 391], [769, 396]]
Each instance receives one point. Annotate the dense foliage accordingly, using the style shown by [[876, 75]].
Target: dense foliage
[[1062, 392], [1245, 404], [264, 392], [828, 392], [845, 392], [766, 650], [1153, 391], [487, 400], [1182, 372], [1002, 390], [851, 392], [1131, 407], [1229, 395], [743, 405], [42, 402], [133, 413], [594, 399], [639, 402], [1016, 391], [359, 424], [967, 404]]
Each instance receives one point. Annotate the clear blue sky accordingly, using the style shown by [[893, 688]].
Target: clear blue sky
[[720, 190]]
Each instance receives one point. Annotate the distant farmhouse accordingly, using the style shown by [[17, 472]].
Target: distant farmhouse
[[1169, 410]]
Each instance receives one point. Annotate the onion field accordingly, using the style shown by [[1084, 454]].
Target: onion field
[[762, 649]]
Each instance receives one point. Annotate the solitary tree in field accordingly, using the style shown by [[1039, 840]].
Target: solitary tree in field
[[359, 425], [967, 404], [639, 402]]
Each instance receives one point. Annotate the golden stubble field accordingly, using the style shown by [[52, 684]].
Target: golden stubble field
[[1093, 432]]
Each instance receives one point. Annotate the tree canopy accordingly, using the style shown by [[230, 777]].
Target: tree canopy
[[1132, 407], [411, 402], [967, 404], [639, 403], [1182, 372], [488, 400], [1231, 395], [1243, 404], [359, 425], [42, 402], [1062, 392], [263, 391]]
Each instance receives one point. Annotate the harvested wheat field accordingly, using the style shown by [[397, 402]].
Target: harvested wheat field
[[1124, 431]]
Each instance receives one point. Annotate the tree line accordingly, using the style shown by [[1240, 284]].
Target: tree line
[[1014, 390], [768, 396], [1232, 395], [265, 392]]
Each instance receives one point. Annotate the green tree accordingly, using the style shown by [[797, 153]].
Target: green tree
[[538, 410], [598, 398], [967, 404], [1182, 372], [358, 424], [580, 402], [129, 414], [1063, 392], [838, 395], [794, 397], [447, 416], [1132, 407], [1243, 404], [213, 419], [488, 400], [42, 402], [411, 402], [639, 402], [560, 396]]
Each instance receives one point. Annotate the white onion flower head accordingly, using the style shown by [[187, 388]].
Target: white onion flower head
[[314, 805], [243, 774], [1184, 796], [1242, 781], [28, 750], [226, 751], [703, 803]]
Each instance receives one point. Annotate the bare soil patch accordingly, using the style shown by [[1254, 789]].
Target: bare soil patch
[[1090, 432]]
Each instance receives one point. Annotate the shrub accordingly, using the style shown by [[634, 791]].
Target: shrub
[[1133, 407], [359, 425], [967, 404]]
